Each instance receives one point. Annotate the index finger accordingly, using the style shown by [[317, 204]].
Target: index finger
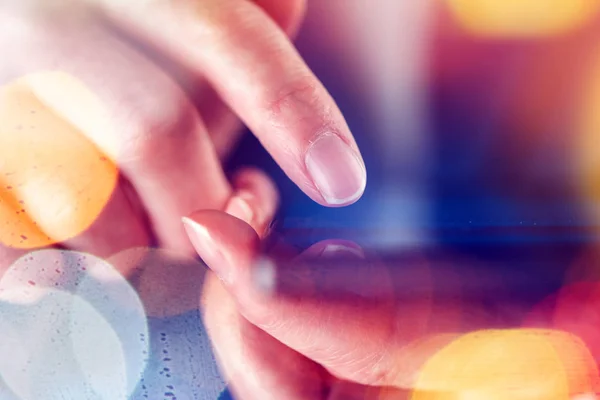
[[255, 68]]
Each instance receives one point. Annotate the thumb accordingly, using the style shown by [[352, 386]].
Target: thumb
[[313, 328], [364, 342]]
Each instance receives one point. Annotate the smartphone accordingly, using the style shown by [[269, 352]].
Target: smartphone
[[478, 264]]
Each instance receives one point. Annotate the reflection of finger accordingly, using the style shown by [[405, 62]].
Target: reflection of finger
[[255, 365], [409, 276], [326, 270]]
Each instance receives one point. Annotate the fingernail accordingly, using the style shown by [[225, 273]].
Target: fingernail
[[240, 208], [336, 170], [207, 249]]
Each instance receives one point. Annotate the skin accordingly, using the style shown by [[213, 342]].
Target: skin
[[164, 107], [271, 346], [175, 95]]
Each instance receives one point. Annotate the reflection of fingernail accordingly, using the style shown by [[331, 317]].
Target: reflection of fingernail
[[332, 250], [207, 248], [238, 207], [336, 170]]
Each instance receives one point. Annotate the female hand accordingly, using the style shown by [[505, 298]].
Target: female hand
[[438, 328], [157, 87]]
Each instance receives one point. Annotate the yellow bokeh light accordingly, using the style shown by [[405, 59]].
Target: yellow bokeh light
[[54, 181], [509, 365], [522, 18]]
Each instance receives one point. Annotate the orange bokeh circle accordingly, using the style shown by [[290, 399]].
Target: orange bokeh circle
[[520, 19], [54, 181], [517, 364]]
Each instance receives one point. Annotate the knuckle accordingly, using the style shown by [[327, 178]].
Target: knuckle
[[258, 314], [171, 116], [373, 369], [372, 361], [300, 93], [159, 126]]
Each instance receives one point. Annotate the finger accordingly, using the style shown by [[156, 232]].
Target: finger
[[119, 226], [310, 327], [48, 166], [224, 127], [255, 200], [162, 145], [222, 124], [281, 100], [387, 355], [255, 365]]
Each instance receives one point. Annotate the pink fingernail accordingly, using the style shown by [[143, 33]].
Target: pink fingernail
[[336, 169], [207, 249]]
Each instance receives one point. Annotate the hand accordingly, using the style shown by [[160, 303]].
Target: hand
[[153, 90], [114, 119], [414, 332]]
